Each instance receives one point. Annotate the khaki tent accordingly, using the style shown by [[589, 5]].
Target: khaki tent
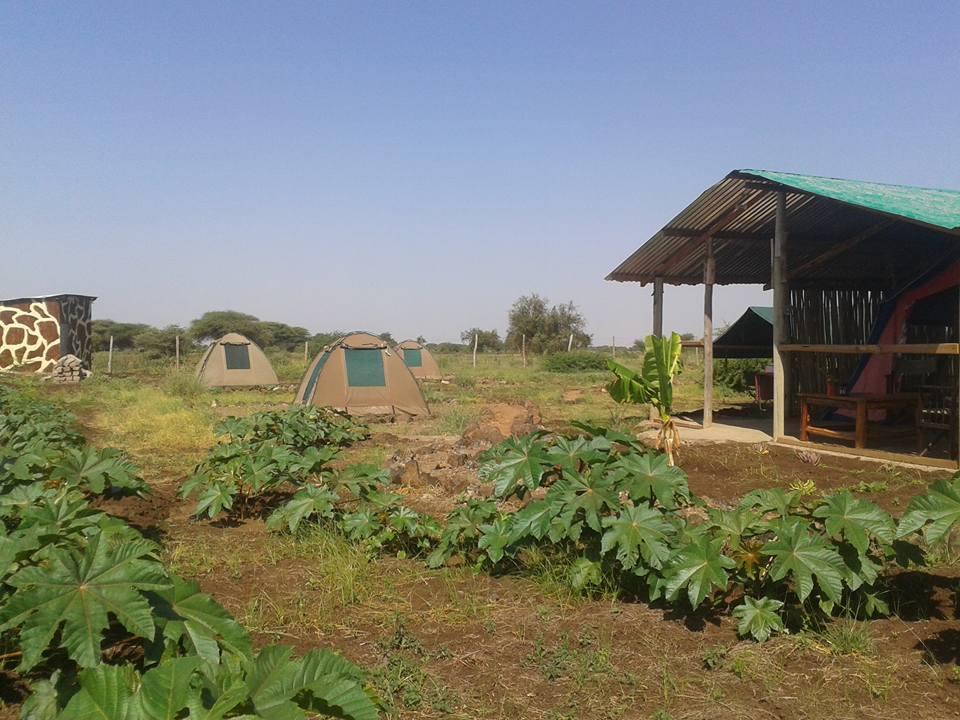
[[363, 376], [235, 361], [419, 360]]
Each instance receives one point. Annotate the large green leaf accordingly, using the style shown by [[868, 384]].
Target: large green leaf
[[855, 519], [495, 537], [758, 618], [591, 493], [309, 500], [106, 692], [701, 567], [648, 476], [936, 512], [637, 532], [801, 555], [186, 615], [165, 690], [78, 592], [96, 470], [515, 466]]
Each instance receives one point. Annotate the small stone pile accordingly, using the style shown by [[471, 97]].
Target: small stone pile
[[69, 369]]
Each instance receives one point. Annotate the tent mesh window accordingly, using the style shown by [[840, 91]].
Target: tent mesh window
[[412, 357], [365, 368], [237, 357]]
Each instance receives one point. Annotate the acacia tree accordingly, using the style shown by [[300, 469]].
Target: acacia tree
[[217, 323], [547, 329], [487, 340]]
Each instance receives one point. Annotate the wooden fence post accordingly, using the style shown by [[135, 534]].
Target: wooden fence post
[[570, 343], [306, 350], [110, 357], [177, 344], [523, 348], [476, 338]]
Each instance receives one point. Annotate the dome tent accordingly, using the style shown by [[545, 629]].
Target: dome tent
[[235, 361], [361, 375], [419, 360]]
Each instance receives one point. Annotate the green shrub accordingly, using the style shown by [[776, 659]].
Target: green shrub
[[576, 361], [736, 375]]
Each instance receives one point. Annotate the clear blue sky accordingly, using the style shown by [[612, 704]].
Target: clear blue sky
[[415, 167]]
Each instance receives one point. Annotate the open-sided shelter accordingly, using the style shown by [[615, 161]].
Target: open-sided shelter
[[36, 331], [419, 360], [235, 361], [362, 375], [834, 252]]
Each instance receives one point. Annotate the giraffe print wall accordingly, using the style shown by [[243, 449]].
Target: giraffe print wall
[[36, 332]]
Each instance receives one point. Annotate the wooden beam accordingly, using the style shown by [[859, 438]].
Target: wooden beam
[[682, 255], [887, 349], [729, 235], [709, 271], [778, 280], [839, 249], [658, 307]]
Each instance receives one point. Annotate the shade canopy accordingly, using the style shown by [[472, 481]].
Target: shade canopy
[[843, 233]]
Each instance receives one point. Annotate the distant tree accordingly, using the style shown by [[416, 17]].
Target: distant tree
[[217, 323], [123, 334], [387, 338], [487, 340], [286, 337], [448, 347], [421, 340], [638, 345], [688, 337], [547, 329], [322, 339], [157, 343]]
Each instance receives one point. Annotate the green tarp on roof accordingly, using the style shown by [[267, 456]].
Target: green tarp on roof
[[934, 207]]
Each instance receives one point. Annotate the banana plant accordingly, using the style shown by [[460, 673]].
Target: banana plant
[[653, 385]]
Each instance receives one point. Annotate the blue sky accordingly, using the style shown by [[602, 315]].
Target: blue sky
[[415, 167]]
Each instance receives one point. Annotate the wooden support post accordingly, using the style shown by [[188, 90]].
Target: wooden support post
[[110, 357], [306, 350], [523, 348], [570, 343], [476, 338], [177, 345], [658, 307], [657, 326], [778, 280], [708, 278]]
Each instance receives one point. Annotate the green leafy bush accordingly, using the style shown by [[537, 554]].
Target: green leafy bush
[[575, 361], [616, 512], [736, 375], [77, 584]]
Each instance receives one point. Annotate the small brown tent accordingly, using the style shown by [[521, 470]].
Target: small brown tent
[[361, 374], [419, 360], [235, 361]]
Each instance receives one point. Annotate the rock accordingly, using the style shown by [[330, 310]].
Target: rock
[[406, 473], [482, 433], [457, 459]]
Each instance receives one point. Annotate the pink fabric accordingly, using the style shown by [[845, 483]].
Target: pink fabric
[[873, 379]]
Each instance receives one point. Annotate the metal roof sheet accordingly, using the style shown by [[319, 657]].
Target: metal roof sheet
[[884, 236], [940, 208]]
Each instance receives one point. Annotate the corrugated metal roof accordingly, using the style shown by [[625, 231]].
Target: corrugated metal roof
[[55, 296], [739, 214]]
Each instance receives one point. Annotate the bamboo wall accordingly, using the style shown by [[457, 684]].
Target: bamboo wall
[[828, 317]]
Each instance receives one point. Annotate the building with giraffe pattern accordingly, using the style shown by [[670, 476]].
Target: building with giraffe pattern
[[35, 332]]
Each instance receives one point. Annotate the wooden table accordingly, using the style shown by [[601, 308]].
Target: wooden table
[[860, 404]]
